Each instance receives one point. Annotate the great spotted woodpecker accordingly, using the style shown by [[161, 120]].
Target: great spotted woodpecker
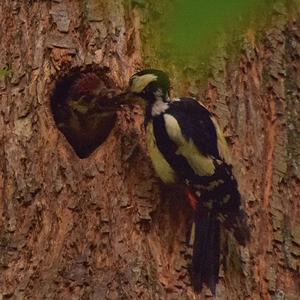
[[187, 147]]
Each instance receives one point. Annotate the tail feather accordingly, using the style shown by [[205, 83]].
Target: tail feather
[[215, 203], [237, 223], [206, 252]]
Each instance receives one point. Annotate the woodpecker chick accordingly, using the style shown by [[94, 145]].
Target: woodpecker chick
[[187, 147], [85, 111], [90, 93]]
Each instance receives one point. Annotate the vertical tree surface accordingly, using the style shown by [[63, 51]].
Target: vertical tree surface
[[104, 227]]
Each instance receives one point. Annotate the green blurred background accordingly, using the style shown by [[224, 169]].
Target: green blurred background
[[187, 37], [193, 25]]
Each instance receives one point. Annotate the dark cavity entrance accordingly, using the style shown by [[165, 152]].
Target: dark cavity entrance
[[82, 108]]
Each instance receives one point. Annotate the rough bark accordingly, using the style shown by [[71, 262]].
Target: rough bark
[[104, 227]]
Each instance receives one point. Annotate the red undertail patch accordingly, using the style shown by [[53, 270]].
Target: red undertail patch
[[192, 199]]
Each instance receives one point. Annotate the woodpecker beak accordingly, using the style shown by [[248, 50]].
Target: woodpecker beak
[[137, 84], [128, 98]]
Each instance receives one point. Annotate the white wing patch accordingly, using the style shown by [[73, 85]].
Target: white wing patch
[[201, 164], [173, 129]]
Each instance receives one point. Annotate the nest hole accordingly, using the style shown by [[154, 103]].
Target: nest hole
[[82, 108]]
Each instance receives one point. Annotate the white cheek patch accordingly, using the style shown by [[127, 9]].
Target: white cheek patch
[[140, 82]]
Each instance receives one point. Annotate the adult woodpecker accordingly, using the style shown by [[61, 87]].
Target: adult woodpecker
[[187, 147]]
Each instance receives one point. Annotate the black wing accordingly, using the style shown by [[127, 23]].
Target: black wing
[[196, 124]]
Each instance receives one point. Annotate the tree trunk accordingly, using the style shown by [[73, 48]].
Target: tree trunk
[[104, 227]]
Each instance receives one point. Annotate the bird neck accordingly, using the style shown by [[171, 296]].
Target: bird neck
[[159, 107], [158, 102]]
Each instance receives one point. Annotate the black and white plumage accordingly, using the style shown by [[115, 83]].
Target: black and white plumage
[[187, 147]]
